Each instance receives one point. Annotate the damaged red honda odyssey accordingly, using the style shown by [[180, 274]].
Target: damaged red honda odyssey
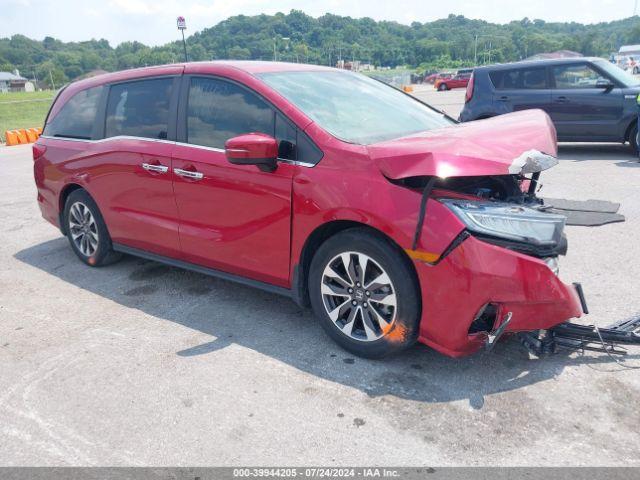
[[395, 223]]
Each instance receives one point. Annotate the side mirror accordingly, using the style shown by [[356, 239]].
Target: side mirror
[[604, 84], [256, 149]]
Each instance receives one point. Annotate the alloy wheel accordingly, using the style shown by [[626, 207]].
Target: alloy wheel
[[358, 296], [83, 229]]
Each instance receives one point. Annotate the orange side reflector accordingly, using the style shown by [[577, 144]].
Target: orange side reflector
[[423, 256]]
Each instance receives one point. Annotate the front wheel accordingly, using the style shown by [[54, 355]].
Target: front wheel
[[443, 87], [633, 140], [86, 230], [365, 293]]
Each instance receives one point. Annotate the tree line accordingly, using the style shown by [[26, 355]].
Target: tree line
[[451, 42]]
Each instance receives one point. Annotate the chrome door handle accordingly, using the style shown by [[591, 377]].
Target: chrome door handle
[[188, 174], [155, 168]]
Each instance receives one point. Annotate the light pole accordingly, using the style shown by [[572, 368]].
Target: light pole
[[182, 26], [475, 48], [275, 47]]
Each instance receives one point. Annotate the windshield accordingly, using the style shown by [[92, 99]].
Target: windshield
[[353, 107], [618, 74]]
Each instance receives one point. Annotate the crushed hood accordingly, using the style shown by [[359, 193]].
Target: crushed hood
[[516, 143]]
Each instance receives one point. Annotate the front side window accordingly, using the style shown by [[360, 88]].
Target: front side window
[[576, 76], [218, 110], [617, 73], [77, 117], [355, 108], [139, 109]]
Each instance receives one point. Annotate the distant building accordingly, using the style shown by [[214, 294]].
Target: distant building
[[557, 54], [10, 82], [629, 50]]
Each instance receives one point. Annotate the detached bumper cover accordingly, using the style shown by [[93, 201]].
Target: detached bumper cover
[[477, 273]]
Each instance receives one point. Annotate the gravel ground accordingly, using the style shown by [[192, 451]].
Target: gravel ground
[[142, 364]]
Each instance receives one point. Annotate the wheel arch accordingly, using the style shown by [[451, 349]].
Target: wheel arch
[[320, 235], [62, 200], [627, 133]]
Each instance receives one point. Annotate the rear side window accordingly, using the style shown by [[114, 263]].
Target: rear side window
[[218, 110], [139, 109], [520, 79], [77, 117]]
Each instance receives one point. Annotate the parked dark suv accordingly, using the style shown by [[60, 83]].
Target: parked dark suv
[[588, 99]]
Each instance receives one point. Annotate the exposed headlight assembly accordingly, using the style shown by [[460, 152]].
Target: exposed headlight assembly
[[509, 221]]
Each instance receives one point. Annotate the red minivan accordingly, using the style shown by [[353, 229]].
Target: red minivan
[[395, 223]]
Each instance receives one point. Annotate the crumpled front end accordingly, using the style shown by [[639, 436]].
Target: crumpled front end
[[485, 249], [470, 291]]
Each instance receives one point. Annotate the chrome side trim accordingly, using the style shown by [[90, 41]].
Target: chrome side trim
[[171, 142], [117, 137], [200, 147]]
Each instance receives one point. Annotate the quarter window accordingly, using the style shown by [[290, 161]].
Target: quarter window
[[218, 110], [139, 109], [576, 76], [77, 117]]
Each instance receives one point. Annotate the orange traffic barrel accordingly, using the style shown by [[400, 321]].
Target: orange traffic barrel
[[22, 135], [31, 135], [11, 137]]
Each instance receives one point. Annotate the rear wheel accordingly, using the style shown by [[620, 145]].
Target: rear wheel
[[86, 230], [365, 294]]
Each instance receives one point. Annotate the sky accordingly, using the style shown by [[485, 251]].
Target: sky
[[152, 22]]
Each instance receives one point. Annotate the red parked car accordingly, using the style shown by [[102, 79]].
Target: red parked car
[[395, 223], [460, 80], [434, 77]]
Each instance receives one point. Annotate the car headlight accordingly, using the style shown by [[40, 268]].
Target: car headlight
[[553, 264], [509, 221]]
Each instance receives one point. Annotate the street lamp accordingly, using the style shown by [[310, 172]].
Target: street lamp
[[275, 47], [182, 26]]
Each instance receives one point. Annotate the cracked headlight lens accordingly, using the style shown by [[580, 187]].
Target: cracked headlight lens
[[509, 221]]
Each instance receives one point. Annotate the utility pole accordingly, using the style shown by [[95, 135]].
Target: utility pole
[[275, 48], [475, 52], [53, 85], [182, 26]]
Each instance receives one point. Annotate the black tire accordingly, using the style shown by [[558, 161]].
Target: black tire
[[443, 87], [633, 139], [95, 255], [402, 329]]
